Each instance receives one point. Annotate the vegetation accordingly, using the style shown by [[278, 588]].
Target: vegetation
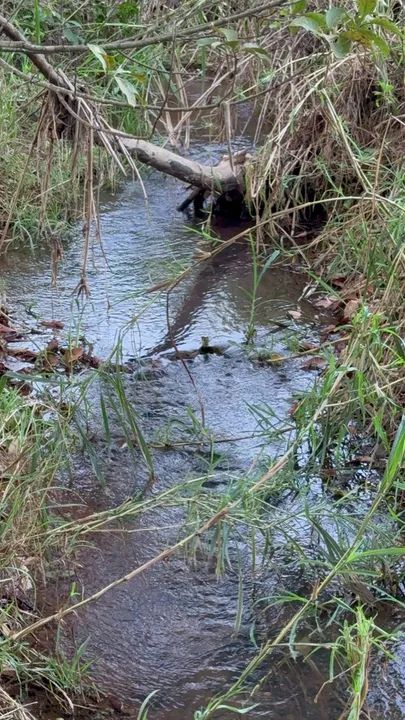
[[326, 189]]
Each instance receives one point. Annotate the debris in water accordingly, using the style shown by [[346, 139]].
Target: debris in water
[[53, 324]]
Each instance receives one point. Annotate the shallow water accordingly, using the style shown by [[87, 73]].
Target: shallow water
[[141, 245], [173, 628]]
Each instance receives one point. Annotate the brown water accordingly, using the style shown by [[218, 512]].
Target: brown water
[[172, 629]]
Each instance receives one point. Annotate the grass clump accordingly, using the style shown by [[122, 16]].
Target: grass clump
[[34, 190], [33, 447], [333, 163]]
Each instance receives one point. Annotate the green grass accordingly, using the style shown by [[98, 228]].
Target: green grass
[[33, 447]]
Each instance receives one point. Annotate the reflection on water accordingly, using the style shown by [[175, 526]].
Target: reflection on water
[[135, 246]]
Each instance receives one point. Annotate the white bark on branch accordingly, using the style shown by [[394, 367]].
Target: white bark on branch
[[217, 178]]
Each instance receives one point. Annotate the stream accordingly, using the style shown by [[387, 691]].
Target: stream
[[172, 628]]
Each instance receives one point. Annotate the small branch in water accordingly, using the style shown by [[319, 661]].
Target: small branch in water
[[191, 198], [217, 441]]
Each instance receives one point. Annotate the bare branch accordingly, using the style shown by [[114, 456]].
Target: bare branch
[[22, 45]]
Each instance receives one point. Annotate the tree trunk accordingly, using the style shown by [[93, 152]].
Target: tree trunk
[[216, 178]]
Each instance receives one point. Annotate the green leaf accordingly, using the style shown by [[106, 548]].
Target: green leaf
[[269, 261], [238, 711], [381, 44], [309, 24], [342, 45], [299, 6], [380, 552], [366, 7], [127, 10], [334, 16], [255, 49], [143, 710], [369, 38], [232, 43], [71, 36], [318, 18], [379, 429], [140, 77], [127, 89], [100, 54], [396, 458], [104, 415], [206, 41], [230, 34], [387, 24]]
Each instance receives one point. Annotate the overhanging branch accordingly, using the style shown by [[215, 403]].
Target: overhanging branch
[[24, 46], [220, 178]]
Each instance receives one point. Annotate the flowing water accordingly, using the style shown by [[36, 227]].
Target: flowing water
[[172, 629]]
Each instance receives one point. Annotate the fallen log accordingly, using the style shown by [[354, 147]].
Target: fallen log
[[216, 178], [225, 177]]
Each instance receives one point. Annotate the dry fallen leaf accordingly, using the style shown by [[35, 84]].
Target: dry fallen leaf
[[314, 363], [5, 630], [328, 330], [53, 324], [325, 302], [295, 314], [53, 345], [6, 329], [23, 354], [328, 473], [3, 368], [359, 459], [305, 345], [294, 407], [51, 360], [339, 281], [72, 355], [351, 309], [351, 295], [91, 360], [275, 358]]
